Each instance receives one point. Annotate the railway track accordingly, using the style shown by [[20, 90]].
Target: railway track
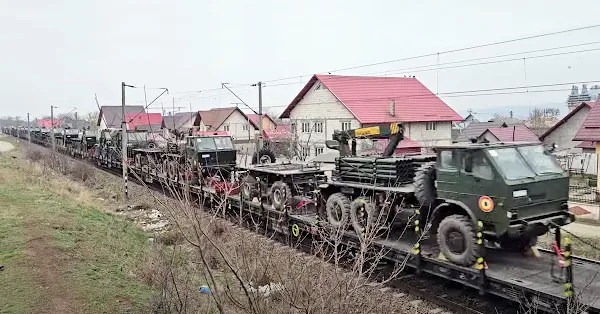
[[448, 296]]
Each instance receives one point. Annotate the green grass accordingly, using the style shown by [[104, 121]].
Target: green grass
[[98, 252]]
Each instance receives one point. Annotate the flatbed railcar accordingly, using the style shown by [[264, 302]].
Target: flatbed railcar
[[549, 281]]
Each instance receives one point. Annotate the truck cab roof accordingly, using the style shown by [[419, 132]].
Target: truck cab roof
[[485, 145]]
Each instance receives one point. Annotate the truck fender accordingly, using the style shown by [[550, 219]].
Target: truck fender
[[459, 204]]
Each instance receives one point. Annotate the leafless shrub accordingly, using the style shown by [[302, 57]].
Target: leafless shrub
[[82, 172], [33, 154], [248, 274]]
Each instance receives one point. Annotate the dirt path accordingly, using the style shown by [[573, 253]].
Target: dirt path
[[57, 294], [5, 146]]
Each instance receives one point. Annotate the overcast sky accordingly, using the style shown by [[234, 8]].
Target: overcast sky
[[64, 52]]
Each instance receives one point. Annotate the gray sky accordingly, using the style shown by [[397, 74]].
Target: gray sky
[[62, 52]]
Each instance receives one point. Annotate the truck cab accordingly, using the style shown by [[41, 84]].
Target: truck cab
[[211, 151], [517, 190]]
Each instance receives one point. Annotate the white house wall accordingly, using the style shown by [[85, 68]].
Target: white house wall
[[236, 122], [442, 135], [564, 134], [320, 106]]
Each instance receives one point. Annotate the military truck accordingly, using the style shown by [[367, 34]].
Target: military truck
[[516, 190], [201, 157]]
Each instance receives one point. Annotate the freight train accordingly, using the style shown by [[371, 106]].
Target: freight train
[[459, 203]]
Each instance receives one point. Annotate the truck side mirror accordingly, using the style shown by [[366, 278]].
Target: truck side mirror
[[332, 144]]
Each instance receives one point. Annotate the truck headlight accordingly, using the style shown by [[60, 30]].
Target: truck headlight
[[520, 193]]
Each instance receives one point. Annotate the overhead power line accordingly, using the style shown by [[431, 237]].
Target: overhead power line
[[466, 93], [443, 52]]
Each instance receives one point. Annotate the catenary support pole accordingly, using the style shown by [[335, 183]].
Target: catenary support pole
[[28, 129], [52, 126], [260, 118], [124, 142]]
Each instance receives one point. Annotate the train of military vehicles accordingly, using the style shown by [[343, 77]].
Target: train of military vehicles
[[506, 194]]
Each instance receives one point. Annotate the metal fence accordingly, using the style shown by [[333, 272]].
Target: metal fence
[[584, 194]]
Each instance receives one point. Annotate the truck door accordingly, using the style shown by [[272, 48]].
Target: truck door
[[478, 178], [448, 168]]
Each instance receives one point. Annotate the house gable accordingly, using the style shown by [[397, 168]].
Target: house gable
[[564, 131], [379, 99]]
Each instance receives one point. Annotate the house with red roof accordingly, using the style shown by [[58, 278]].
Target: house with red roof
[[268, 123], [515, 133], [232, 120], [144, 121], [47, 123], [332, 102], [563, 132]]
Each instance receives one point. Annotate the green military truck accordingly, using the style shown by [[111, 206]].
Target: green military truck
[[516, 190]]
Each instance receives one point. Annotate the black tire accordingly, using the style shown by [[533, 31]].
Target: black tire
[[263, 156], [337, 209], [280, 194], [425, 191], [456, 237], [363, 215], [249, 188]]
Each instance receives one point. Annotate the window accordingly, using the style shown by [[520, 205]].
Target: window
[[318, 151], [540, 160], [318, 127], [479, 165], [293, 128], [346, 125], [226, 128], [305, 127], [447, 160], [431, 126], [305, 151], [511, 164], [223, 142], [206, 143], [245, 127], [320, 86]]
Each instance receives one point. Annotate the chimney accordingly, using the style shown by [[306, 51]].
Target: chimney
[[392, 108], [584, 90], [574, 91]]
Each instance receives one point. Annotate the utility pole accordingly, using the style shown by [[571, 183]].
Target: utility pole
[[75, 126], [28, 129], [260, 118], [124, 142], [52, 126]]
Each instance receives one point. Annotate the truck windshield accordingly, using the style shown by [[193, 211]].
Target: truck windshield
[[540, 161], [137, 137], [206, 143], [223, 142], [511, 164]]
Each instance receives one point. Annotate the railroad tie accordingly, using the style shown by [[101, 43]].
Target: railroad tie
[[415, 302], [436, 311], [399, 295]]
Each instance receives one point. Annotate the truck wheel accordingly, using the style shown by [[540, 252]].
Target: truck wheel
[[424, 183], [457, 241], [263, 156], [337, 208], [362, 215], [248, 188], [280, 193]]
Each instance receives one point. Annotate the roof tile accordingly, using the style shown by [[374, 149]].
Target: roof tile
[[134, 120], [368, 99], [516, 133], [590, 130]]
